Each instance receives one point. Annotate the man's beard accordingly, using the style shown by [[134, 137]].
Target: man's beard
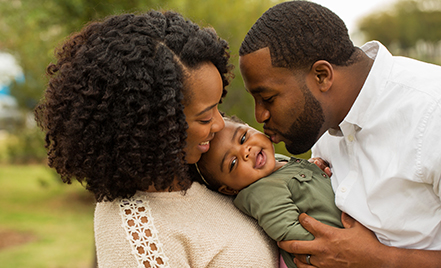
[[304, 132]]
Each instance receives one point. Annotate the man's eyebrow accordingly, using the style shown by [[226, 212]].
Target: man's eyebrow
[[226, 153], [207, 109], [258, 90]]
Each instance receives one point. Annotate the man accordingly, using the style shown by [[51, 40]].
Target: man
[[375, 118]]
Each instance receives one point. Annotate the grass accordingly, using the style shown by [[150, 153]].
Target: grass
[[57, 219]]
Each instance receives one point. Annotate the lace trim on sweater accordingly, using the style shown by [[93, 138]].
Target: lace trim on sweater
[[141, 232]]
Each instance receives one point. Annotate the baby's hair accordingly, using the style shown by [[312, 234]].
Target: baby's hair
[[234, 119], [208, 178]]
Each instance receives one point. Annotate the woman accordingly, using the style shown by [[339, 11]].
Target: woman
[[131, 102]]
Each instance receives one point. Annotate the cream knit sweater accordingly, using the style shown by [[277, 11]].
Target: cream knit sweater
[[199, 229]]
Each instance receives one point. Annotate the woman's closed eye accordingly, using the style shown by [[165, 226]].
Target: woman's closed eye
[[206, 121]]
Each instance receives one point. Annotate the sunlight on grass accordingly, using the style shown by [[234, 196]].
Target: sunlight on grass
[[58, 219]]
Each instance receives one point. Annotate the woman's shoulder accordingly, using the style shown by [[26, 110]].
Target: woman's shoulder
[[189, 223], [213, 231]]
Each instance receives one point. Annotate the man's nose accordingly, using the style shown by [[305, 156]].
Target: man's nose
[[261, 113]]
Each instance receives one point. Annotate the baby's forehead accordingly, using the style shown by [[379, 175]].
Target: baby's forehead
[[230, 128], [227, 133], [229, 123]]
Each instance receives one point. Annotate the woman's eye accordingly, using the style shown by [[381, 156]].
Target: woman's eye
[[233, 163], [205, 121], [243, 138]]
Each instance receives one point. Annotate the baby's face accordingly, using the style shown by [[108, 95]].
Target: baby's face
[[239, 155]]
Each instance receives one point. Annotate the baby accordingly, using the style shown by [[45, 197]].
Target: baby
[[272, 188]]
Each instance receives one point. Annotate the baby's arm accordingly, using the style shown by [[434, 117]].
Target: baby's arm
[[271, 204]]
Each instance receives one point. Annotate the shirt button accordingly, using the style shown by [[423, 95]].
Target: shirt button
[[351, 138], [302, 175], [343, 189], [324, 175]]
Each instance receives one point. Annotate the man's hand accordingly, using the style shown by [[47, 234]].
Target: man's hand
[[355, 246], [322, 164]]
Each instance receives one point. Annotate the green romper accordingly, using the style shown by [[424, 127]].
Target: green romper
[[276, 201]]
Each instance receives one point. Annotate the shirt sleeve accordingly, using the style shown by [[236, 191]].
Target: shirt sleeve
[[271, 204]]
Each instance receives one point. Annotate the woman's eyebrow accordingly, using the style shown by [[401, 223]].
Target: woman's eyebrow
[[207, 109]]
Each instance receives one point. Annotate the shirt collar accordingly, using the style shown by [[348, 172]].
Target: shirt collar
[[374, 84]]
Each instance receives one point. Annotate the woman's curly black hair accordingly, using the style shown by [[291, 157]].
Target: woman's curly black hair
[[299, 33], [113, 109]]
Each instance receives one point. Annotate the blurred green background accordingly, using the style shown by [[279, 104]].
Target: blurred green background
[[44, 223]]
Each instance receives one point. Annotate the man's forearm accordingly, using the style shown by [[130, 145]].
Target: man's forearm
[[410, 258]]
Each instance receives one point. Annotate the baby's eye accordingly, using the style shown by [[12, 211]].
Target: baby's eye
[[243, 138], [233, 163]]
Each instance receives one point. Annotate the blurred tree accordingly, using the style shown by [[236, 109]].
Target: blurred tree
[[410, 27], [31, 29]]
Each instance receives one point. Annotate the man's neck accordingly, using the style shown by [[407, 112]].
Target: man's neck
[[353, 79]]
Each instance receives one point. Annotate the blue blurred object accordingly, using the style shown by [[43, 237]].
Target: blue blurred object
[[9, 71]]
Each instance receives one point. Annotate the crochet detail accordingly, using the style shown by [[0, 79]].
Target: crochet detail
[[141, 232]]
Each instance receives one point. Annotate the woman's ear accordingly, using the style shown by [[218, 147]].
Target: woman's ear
[[323, 74], [227, 190]]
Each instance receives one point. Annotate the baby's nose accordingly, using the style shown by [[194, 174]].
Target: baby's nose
[[246, 152]]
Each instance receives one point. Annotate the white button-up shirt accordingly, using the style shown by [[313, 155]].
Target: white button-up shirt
[[386, 156]]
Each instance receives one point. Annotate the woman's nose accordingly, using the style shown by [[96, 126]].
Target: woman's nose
[[218, 122]]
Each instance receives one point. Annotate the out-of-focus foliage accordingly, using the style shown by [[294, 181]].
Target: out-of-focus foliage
[[24, 147], [410, 27], [31, 29]]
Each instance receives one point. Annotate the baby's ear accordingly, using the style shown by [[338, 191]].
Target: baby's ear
[[227, 190]]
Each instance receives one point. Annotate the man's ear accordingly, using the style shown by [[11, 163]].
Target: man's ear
[[323, 74], [227, 190]]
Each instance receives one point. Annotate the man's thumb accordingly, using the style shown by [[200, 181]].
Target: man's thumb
[[348, 221]]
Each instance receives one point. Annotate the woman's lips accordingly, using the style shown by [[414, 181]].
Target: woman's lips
[[204, 146], [260, 160]]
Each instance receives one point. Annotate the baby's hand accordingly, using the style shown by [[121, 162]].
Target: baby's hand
[[322, 164]]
